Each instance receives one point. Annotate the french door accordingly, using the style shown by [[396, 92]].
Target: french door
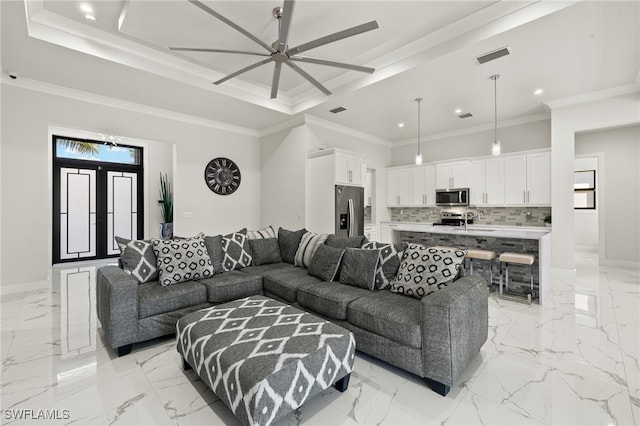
[[95, 198]]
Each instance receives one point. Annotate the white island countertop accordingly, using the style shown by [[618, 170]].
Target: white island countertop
[[477, 230]]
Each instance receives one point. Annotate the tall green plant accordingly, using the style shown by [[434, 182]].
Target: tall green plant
[[166, 199]]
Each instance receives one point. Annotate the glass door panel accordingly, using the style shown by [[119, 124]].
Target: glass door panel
[[77, 213], [122, 208]]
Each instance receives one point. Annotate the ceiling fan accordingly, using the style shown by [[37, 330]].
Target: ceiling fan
[[279, 52]]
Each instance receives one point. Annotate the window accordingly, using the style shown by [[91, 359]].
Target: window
[[79, 149], [584, 187]]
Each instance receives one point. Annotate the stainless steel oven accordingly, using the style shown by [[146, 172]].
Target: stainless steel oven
[[452, 197]]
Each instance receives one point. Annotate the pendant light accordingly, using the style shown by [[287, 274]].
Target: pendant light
[[419, 153], [495, 145]]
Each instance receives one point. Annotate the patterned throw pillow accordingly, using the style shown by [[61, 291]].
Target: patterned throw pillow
[[182, 260], [237, 252], [307, 248], [389, 261], [267, 232], [425, 270], [138, 259]]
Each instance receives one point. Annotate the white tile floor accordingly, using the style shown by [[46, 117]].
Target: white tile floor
[[573, 361]]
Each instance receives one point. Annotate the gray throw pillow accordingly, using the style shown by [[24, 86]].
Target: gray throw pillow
[[265, 251], [326, 262], [138, 259], [424, 270], [182, 260], [216, 254], [359, 267], [389, 262], [237, 252], [289, 242], [344, 242]]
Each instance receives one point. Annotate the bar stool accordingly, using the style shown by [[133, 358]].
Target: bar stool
[[520, 259], [481, 255]]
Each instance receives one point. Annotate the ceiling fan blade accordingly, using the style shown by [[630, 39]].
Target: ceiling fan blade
[[243, 70], [332, 64], [308, 77], [197, 49], [276, 80], [285, 21], [231, 24], [358, 29]]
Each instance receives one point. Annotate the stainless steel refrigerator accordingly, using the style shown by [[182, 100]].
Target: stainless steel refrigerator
[[349, 211]]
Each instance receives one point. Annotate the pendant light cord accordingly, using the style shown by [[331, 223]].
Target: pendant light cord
[[419, 149], [495, 110]]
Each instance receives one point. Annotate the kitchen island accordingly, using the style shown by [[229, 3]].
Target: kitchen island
[[500, 239]]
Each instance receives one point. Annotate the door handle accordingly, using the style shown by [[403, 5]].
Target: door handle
[[524, 197], [351, 231]]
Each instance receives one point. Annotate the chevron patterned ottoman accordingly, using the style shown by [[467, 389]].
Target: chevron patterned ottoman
[[263, 358]]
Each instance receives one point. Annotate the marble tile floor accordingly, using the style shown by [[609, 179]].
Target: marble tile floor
[[573, 361]]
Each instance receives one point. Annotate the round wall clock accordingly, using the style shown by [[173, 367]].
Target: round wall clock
[[222, 176]]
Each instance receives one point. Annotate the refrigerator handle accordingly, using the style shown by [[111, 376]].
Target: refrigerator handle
[[351, 230]]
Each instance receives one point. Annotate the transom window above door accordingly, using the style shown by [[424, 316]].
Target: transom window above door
[[79, 149]]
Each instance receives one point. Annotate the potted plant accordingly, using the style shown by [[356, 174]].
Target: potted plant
[[547, 221], [166, 206]]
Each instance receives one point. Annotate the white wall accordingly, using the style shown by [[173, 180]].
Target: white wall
[[533, 135], [586, 221], [620, 149], [25, 172]]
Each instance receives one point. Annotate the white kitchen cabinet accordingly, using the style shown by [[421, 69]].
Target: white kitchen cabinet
[[399, 187], [424, 186], [348, 169], [368, 189], [370, 231], [452, 175], [486, 182], [527, 179]]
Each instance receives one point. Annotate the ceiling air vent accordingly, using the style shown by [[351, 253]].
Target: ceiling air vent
[[337, 110], [490, 56], [465, 115]]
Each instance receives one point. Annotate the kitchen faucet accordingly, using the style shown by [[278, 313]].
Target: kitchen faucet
[[466, 210]]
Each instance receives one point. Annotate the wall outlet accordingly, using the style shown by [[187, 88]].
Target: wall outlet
[[187, 214]]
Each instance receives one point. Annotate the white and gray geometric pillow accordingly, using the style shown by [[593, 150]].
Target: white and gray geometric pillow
[[389, 262], [424, 270], [237, 252], [267, 232], [307, 248], [138, 259], [182, 260]]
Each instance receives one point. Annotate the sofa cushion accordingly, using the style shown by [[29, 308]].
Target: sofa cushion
[[284, 282], [182, 260], [265, 251], [231, 285], [344, 242], [391, 315], [289, 242], [424, 270], [237, 252], [325, 262], [359, 268], [307, 248], [154, 299], [138, 259], [388, 263], [267, 232], [262, 269], [329, 299]]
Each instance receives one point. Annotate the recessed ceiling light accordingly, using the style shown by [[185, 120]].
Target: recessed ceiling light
[[538, 92], [89, 17], [86, 8], [458, 111], [401, 125]]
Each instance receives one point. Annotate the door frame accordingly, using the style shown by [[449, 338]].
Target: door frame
[[90, 135]]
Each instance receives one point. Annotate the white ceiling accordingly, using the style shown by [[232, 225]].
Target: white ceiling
[[422, 49]]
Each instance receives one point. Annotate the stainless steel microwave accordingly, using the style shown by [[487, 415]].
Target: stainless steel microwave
[[452, 197]]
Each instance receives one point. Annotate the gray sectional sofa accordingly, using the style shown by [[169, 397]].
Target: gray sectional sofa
[[434, 337]]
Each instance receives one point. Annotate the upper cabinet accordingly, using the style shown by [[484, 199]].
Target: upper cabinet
[[527, 179], [399, 187], [424, 186], [454, 174], [486, 182], [348, 169]]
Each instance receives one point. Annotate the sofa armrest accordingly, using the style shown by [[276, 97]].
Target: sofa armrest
[[455, 324], [117, 305]]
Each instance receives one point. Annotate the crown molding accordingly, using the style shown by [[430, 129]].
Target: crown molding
[[475, 129], [288, 124], [79, 95], [612, 92], [320, 122]]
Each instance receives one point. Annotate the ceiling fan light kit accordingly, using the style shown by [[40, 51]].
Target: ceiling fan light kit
[[279, 52]]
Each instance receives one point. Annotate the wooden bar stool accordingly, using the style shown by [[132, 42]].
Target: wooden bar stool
[[481, 255], [520, 259]]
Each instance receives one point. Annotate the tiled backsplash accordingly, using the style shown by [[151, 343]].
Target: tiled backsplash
[[513, 216]]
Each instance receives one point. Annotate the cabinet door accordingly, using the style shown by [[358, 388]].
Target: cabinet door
[[418, 197], [355, 171], [443, 176], [538, 179], [430, 184], [460, 174], [515, 179], [342, 169], [385, 234], [477, 182], [494, 181], [405, 187], [393, 197]]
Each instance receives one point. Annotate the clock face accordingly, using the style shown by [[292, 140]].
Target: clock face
[[222, 176]]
